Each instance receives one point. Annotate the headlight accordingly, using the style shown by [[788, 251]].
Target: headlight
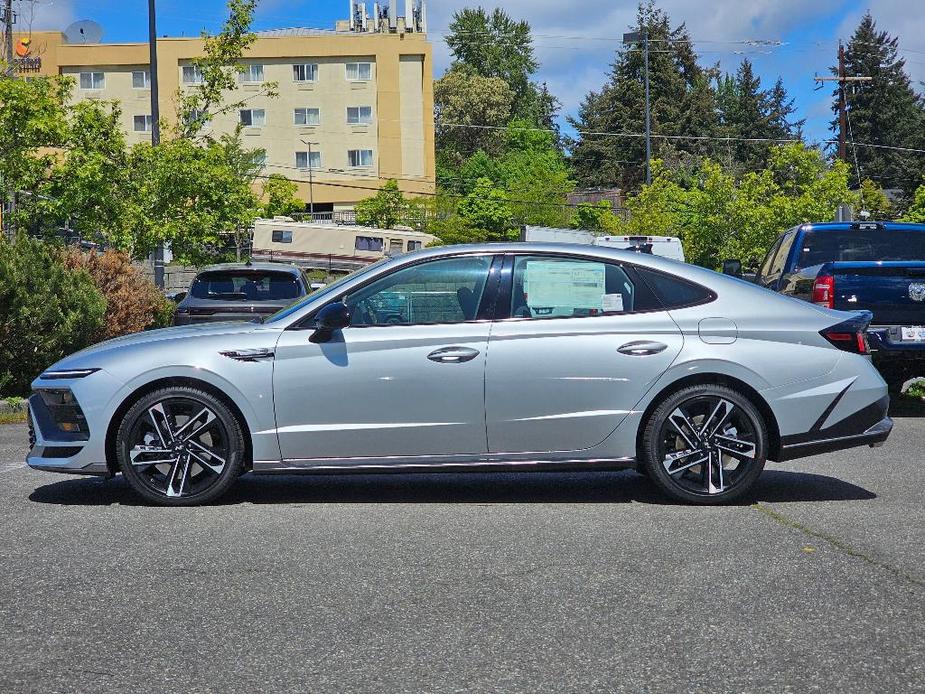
[[67, 373]]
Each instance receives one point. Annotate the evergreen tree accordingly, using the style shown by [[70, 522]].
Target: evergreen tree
[[494, 45], [885, 111], [682, 103], [750, 112]]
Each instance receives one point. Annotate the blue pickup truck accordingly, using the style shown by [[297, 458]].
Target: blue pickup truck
[[873, 266]]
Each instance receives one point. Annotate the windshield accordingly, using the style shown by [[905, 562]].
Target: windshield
[[245, 285], [328, 290], [845, 246]]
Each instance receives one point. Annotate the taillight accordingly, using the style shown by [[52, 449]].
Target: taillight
[[850, 336], [824, 291]]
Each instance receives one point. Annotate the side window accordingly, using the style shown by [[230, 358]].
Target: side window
[[780, 260], [441, 291], [765, 269], [674, 292], [545, 287]]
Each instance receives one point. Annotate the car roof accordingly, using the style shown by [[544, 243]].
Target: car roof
[[257, 267], [542, 248], [860, 224]]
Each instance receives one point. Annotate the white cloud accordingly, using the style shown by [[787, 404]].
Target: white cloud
[[571, 66], [41, 15], [900, 18]]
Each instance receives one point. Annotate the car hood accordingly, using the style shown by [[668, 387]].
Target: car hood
[[93, 356]]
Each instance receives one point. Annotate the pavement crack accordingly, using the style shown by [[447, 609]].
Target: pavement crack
[[837, 544]]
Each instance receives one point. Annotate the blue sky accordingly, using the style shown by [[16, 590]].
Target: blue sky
[[575, 40]]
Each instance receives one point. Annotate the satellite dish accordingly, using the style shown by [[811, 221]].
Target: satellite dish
[[83, 31]]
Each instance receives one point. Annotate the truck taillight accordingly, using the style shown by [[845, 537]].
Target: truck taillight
[[824, 291]]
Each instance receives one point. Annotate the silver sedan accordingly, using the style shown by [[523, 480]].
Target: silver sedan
[[489, 357]]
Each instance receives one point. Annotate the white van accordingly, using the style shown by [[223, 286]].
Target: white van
[[665, 246]]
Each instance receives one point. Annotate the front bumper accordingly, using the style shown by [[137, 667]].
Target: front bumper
[[57, 450]]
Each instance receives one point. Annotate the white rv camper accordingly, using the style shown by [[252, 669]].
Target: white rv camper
[[329, 246]]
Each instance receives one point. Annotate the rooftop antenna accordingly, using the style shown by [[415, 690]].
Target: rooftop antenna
[[409, 15], [393, 14], [352, 15], [83, 31]]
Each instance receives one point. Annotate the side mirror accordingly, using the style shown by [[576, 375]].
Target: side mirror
[[332, 317], [177, 297], [732, 267]]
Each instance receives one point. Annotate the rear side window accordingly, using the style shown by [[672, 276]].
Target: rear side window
[[245, 286], [549, 287], [674, 292]]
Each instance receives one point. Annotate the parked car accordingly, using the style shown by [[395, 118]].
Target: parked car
[[875, 266], [239, 291], [548, 357]]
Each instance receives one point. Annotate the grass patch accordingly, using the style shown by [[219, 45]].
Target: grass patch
[[13, 417]]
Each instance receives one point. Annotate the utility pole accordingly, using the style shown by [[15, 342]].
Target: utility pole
[[636, 37], [842, 80], [155, 127], [8, 20], [311, 193]]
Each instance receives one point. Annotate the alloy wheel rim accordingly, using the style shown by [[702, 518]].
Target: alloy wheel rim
[[179, 447], [707, 445]]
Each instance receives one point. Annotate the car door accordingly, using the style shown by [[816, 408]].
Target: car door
[[576, 344], [405, 378]]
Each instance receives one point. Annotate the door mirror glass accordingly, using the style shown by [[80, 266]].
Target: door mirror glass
[[732, 267], [330, 318]]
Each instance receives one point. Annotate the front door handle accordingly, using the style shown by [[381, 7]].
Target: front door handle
[[642, 348], [453, 355]]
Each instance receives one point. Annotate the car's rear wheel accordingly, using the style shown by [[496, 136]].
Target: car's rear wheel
[[180, 447], [705, 444]]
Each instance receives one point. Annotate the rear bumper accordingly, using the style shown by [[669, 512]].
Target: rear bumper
[[874, 435], [887, 345]]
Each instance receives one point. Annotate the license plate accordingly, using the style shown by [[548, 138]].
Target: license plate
[[914, 334]]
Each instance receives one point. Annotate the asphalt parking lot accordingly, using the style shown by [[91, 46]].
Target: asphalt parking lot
[[562, 582]]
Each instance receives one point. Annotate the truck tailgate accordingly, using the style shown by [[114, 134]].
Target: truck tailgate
[[893, 290]]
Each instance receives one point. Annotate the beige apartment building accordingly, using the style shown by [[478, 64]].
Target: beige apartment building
[[355, 105]]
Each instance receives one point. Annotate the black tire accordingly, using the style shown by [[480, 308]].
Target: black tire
[[180, 446], [717, 425]]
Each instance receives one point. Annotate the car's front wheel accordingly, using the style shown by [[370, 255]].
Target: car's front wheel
[[705, 444], [180, 447]]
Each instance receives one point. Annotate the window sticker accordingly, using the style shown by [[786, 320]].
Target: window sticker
[[612, 303], [564, 285]]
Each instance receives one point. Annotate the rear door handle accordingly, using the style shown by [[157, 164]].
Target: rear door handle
[[642, 348], [453, 355]]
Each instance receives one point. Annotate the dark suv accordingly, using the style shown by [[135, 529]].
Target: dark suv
[[240, 291]]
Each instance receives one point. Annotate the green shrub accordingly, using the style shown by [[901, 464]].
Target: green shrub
[[46, 311]]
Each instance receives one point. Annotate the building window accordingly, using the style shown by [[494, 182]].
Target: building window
[[253, 117], [359, 157], [368, 243], [197, 116], [141, 79], [359, 115], [192, 74], [251, 73], [308, 160], [282, 236], [359, 72], [414, 245], [305, 73], [307, 116], [92, 80], [142, 124], [259, 159]]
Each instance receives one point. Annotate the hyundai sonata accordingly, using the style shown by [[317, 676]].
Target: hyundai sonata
[[489, 357]]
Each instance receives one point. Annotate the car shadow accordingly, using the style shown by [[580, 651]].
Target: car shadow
[[902, 406], [456, 488]]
